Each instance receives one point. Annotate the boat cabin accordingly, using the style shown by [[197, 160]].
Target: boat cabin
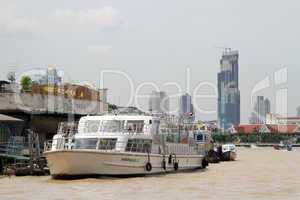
[[204, 141], [138, 133]]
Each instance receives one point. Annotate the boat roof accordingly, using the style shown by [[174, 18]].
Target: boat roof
[[118, 117], [6, 118]]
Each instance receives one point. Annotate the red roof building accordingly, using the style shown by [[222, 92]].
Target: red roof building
[[265, 128], [247, 128], [288, 129]]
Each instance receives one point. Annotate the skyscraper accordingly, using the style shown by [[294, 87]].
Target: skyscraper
[[262, 107], [298, 111], [228, 90], [186, 110], [267, 104], [159, 102]]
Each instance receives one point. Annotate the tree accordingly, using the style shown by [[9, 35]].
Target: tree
[[112, 107], [11, 76], [26, 83]]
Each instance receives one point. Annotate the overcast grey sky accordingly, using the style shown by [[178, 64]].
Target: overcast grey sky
[[154, 40]]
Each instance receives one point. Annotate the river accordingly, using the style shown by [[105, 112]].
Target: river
[[261, 173]]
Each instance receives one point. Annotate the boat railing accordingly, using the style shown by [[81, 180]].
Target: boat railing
[[138, 147], [48, 145], [61, 144], [103, 146], [67, 128], [130, 133], [113, 145]]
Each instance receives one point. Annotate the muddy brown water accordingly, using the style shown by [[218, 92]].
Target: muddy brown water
[[261, 173]]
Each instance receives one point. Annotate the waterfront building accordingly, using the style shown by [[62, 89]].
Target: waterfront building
[[186, 110], [48, 100], [51, 77], [288, 129], [277, 119], [48, 76], [262, 107], [9, 126], [228, 90], [5, 86], [12, 143], [159, 102]]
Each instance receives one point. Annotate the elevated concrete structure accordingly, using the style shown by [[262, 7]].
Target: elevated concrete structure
[[42, 113], [49, 104]]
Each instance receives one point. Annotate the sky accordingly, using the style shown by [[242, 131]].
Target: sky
[[172, 45]]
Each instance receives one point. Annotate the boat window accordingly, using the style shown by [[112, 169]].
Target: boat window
[[172, 138], [139, 145], [112, 126], [199, 137], [107, 143], [135, 126], [86, 143], [92, 126], [206, 138]]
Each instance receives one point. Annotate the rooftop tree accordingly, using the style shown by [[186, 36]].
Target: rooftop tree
[[26, 83]]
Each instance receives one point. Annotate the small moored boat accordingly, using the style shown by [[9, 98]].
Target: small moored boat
[[228, 152]]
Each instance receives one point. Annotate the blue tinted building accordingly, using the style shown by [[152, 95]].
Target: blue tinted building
[[228, 90]]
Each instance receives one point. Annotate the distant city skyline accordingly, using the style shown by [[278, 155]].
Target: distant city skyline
[[155, 42], [261, 109]]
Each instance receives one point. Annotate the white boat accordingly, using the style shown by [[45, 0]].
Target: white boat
[[229, 152], [124, 145]]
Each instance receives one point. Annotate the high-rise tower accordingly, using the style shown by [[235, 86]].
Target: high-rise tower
[[159, 102], [228, 90], [262, 107], [186, 110]]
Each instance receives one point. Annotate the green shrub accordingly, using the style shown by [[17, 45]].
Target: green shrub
[[26, 83]]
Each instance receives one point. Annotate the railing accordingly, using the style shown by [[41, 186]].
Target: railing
[[170, 148], [68, 128], [3, 147], [63, 144], [136, 147], [182, 149], [48, 145], [14, 148]]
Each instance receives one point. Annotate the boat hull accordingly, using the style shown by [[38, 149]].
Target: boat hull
[[229, 156], [91, 162]]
